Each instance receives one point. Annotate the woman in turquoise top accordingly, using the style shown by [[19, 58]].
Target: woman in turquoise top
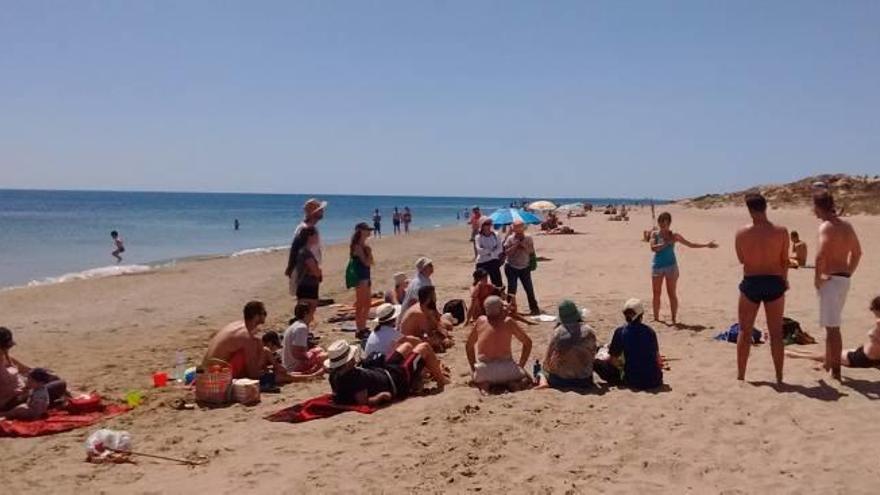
[[665, 265]]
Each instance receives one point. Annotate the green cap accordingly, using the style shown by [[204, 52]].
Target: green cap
[[569, 312]]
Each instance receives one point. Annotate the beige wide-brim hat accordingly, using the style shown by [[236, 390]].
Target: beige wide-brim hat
[[339, 354], [387, 312]]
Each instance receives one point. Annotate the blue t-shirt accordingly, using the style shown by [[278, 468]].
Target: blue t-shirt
[[637, 343], [666, 256]]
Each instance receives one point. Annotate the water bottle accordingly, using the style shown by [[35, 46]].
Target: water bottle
[[179, 366], [536, 371]]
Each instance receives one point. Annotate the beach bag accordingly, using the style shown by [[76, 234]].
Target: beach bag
[[457, 308], [533, 262], [214, 385], [351, 274], [246, 391]]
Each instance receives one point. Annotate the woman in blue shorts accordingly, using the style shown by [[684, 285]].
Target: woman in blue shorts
[[665, 265]]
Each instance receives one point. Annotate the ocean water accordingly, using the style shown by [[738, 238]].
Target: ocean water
[[53, 236]]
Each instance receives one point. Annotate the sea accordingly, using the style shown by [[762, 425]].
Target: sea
[[51, 237]]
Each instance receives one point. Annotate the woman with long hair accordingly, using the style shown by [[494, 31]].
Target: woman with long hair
[[305, 265], [665, 264], [362, 259]]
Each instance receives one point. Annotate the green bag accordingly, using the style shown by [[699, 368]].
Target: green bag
[[533, 262], [351, 275]]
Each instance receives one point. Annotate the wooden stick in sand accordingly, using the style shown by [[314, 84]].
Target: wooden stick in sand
[[154, 456]]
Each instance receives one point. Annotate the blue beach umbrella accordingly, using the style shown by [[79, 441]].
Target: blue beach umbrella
[[506, 216]]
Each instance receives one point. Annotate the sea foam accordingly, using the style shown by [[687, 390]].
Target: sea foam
[[252, 251], [102, 272]]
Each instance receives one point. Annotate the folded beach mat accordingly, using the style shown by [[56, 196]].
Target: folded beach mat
[[316, 408], [57, 421]]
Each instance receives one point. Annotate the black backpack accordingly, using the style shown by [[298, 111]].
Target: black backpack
[[457, 309]]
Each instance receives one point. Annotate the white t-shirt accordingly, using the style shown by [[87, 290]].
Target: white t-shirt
[[382, 340], [295, 335]]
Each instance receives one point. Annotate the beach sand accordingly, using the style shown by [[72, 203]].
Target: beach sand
[[704, 433]]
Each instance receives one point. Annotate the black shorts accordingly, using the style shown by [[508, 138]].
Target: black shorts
[[404, 371], [858, 359], [762, 288], [307, 291]]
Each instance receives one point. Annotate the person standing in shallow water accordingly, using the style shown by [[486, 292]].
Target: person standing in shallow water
[[377, 223], [119, 246], [406, 218], [762, 248], [665, 264], [395, 221], [236, 224]]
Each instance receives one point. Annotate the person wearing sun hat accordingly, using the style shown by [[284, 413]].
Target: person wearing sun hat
[[313, 212], [422, 278], [636, 345], [399, 283], [392, 378], [385, 337], [568, 363]]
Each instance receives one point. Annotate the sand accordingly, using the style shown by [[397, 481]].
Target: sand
[[704, 433]]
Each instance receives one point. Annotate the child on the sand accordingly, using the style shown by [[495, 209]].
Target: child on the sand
[[865, 356], [38, 399]]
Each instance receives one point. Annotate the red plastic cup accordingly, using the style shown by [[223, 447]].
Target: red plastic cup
[[160, 379]]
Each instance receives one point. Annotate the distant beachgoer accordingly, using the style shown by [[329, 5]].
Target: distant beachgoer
[[423, 321], [665, 264], [762, 248], [837, 259], [377, 223], [653, 217], [475, 220], [406, 218], [489, 350], [636, 345], [422, 278], [296, 356], [306, 273], [480, 290], [236, 224], [38, 397], [118, 246], [395, 221], [362, 256], [865, 356], [237, 344], [396, 377], [313, 212], [489, 250], [518, 249], [14, 373], [568, 363], [798, 257]]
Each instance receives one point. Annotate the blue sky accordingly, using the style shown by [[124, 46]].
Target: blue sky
[[618, 98]]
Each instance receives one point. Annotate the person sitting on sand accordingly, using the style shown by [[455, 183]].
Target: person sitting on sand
[[385, 337], [395, 377], [13, 376], [423, 321], [798, 257], [480, 290], [38, 398], [296, 356], [237, 344], [636, 345], [396, 295], [489, 351], [272, 347], [866, 356], [424, 270], [568, 363]]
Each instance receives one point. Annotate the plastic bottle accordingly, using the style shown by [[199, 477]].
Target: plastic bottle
[[179, 366], [536, 371]]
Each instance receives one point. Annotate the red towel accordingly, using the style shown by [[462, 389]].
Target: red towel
[[316, 408], [57, 421]]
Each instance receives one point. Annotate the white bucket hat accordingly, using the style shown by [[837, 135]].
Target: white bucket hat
[[387, 312], [339, 354]]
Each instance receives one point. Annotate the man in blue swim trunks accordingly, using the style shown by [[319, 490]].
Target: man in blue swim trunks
[[762, 248]]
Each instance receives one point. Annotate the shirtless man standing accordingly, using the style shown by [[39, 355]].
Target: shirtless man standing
[[238, 344], [762, 248], [836, 261], [489, 349], [423, 321]]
